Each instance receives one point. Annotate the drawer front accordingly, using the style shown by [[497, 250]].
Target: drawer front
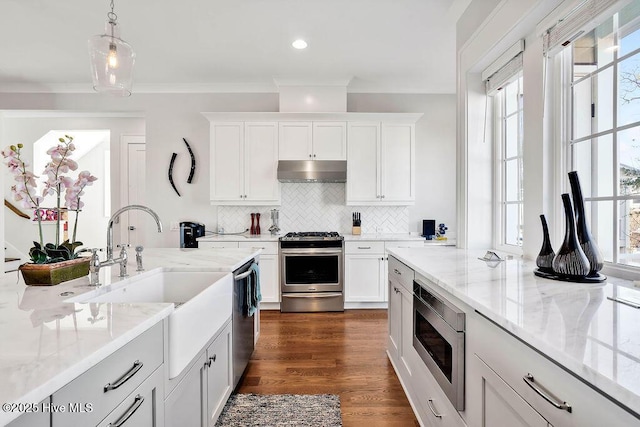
[[268, 248], [143, 407], [403, 244], [118, 370], [401, 273], [588, 407], [217, 245], [434, 408], [364, 247]]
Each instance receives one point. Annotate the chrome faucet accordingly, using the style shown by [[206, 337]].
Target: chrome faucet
[[117, 214], [96, 264]]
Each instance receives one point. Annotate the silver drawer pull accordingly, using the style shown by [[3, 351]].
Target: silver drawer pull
[[546, 395], [433, 410], [395, 270], [137, 365], [364, 247], [132, 410]]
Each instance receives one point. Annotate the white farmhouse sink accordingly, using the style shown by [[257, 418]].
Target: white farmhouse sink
[[203, 302]]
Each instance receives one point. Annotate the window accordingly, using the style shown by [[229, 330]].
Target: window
[[508, 148], [604, 142]]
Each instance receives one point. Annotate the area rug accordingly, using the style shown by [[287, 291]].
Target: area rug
[[318, 410]]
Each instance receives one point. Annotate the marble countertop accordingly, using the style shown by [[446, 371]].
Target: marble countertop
[[47, 342], [572, 323], [347, 237]]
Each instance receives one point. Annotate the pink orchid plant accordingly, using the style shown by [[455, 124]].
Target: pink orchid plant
[[56, 183]]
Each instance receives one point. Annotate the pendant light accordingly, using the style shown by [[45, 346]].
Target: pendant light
[[112, 60]]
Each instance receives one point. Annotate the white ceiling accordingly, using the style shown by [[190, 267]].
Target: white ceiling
[[405, 46]]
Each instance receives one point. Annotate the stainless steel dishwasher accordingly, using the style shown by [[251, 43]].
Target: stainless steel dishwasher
[[242, 323]]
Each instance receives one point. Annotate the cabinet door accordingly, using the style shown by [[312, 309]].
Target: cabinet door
[[219, 373], [364, 281], [406, 353], [184, 406], [261, 162], [494, 403], [34, 419], [269, 285], [363, 167], [329, 141], [227, 162], [295, 141], [394, 341], [398, 163]]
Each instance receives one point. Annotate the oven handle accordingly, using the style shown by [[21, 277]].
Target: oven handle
[[311, 251], [323, 295]]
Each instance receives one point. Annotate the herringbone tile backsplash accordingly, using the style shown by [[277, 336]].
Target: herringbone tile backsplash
[[316, 207]]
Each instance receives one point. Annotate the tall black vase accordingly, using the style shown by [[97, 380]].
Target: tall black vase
[[570, 261], [544, 261], [587, 243]]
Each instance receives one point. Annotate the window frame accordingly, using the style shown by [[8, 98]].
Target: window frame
[[498, 101], [566, 127]]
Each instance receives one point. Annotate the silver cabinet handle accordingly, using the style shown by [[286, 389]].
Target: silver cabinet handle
[[396, 290], [545, 394], [137, 365], [395, 270], [433, 410], [382, 197], [364, 247], [132, 410]]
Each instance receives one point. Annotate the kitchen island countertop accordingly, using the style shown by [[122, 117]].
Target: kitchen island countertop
[[47, 342], [574, 324]]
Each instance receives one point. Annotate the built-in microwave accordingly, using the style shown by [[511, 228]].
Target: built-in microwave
[[438, 337]]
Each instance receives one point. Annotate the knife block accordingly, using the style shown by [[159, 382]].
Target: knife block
[[355, 230]]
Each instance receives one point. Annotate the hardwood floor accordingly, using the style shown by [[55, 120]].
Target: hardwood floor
[[335, 353]]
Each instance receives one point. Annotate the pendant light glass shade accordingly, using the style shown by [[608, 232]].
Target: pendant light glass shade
[[112, 61]]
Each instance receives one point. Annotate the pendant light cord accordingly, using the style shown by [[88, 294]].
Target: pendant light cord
[[112, 18]]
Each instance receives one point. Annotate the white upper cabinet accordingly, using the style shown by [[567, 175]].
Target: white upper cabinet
[[381, 164], [244, 161], [312, 141]]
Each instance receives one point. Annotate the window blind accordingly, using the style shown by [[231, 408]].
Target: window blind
[[501, 77], [582, 18]]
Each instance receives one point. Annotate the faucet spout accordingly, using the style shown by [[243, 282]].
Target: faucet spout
[[117, 214]]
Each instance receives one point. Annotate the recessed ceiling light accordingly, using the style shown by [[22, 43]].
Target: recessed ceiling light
[[299, 44]]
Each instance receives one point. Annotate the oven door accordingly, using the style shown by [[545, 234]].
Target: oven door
[[441, 349], [311, 270]]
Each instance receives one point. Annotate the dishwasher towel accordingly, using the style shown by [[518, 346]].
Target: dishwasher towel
[[253, 289]]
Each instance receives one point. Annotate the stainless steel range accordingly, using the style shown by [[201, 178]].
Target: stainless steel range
[[312, 272]]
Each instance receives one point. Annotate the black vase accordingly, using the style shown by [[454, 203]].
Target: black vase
[[544, 261], [570, 261], [587, 243]]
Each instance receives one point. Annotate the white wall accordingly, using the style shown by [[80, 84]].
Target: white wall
[[170, 117]]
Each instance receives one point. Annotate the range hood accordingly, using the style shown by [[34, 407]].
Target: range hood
[[312, 171]]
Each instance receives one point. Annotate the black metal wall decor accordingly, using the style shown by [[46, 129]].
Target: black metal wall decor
[[191, 172], [578, 259], [173, 160], [193, 162]]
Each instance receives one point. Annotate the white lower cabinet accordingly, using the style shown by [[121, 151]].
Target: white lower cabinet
[[38, 418], [364, 279], [269, 278], [109, 385], [495, 403], [554, 393], [204, 387]]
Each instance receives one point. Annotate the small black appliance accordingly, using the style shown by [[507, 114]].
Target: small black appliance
[[189, 232], [428, 228]]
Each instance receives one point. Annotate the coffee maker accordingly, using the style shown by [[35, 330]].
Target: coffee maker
[[189, 232]]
